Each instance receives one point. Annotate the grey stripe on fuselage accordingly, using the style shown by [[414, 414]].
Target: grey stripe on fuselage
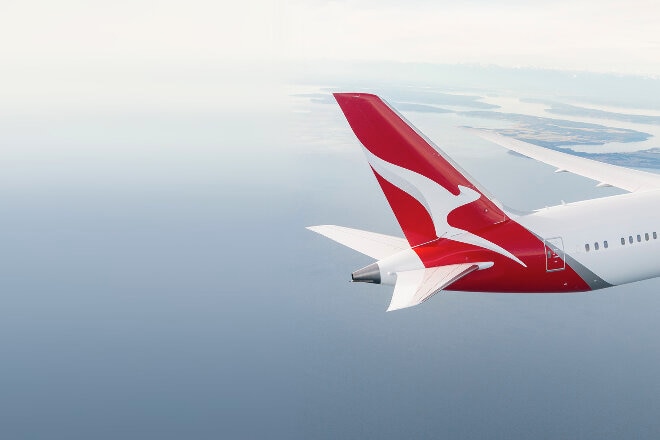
[[594, 281]]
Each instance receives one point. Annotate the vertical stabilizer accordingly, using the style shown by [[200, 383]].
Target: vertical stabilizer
[[429, 195]]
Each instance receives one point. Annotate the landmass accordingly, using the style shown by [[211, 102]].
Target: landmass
[[552, 133], [559, 108], [421, 108]]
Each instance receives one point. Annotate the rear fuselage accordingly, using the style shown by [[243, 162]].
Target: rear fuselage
[[617, 238], [579, 246]]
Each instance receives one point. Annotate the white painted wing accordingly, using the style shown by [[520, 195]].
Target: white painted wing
[[375, 245], [416, 286], [606, 174]]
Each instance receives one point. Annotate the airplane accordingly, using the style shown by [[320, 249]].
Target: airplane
[[458, 237]]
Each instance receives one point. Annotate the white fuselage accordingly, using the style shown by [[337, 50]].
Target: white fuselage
[[629, 223]]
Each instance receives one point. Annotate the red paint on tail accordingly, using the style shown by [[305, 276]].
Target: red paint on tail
[[385, 134]]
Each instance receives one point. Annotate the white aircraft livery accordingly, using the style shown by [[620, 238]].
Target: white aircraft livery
[[457, 238]]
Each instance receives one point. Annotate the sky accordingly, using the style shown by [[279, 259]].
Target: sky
[[604, 36], [156, 276]]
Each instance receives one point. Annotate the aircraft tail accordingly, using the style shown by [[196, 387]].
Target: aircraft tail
[[426, 190]]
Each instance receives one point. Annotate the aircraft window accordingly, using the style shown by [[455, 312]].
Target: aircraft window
[[646, 236], [630, 239], [605, 244], [623, 240], [639, 237], [655, 235], [586, 247], [596, 246]]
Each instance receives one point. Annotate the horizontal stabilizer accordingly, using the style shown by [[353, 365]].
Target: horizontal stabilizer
[[375, 245], [416, 286]]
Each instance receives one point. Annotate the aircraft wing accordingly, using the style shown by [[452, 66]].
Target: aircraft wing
[[416, 286], [606, 174]]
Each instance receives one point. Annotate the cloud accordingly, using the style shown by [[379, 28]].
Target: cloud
[[135, 32], [587, 35]]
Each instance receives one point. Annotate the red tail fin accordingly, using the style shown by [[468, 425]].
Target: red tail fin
[[430, 196]]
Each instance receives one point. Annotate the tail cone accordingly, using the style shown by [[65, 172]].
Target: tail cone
[[368, 274]]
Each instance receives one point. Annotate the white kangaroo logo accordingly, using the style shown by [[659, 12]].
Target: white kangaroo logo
[[437, 200]]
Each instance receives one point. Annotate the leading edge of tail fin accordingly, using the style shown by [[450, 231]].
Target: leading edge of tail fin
[[425, 189]]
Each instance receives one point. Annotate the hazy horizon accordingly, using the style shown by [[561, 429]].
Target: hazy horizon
[[160, 163]]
